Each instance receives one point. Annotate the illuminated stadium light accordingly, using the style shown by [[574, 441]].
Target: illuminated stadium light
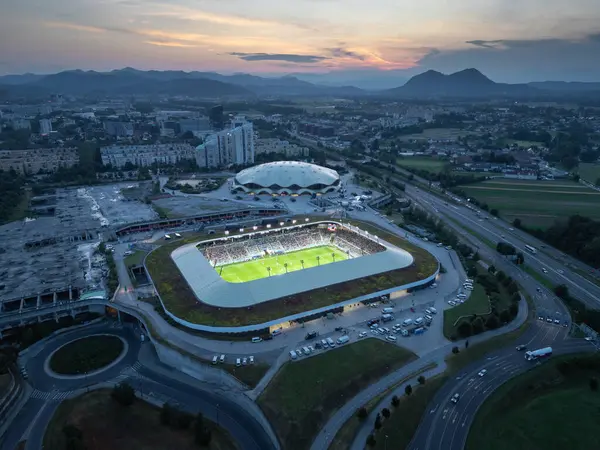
[[281, 224], [306, 220], [226, 233], [294, 221], [268, 225], [241, 230], [255, 228]]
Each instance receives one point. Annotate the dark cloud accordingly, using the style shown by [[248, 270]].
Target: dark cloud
[[485, 44], [340, 52], [279, 57]]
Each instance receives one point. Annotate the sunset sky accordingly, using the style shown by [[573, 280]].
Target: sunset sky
[[509, 40]]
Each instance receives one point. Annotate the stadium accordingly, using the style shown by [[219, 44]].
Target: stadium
[[286, 177], [262, 279]]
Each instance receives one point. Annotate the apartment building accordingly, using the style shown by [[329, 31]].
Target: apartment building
[[39, 160], [274, 145], [146, 155], [228, 147]]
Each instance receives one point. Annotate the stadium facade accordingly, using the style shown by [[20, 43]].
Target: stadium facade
[[286, 177], [200, 264]]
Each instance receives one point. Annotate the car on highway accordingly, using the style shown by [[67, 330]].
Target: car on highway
[[557, 321], [482, 372], [521, 347], [455, 398], [511, 229], [539, 289], [362, 334], [544, 270], [540, 318], [560, 271]]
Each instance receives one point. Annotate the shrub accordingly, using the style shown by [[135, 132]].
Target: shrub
[[455, 350], [395, 401], [371, 441], [386, 413], [421, 380], [362, 413], [408, 389]]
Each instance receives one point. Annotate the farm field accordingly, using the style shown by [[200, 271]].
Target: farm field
[[524, 144], [437, 133], [590, 172], [257, 268], [536, 203], [428, 164]]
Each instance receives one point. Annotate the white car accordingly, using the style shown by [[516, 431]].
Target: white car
[[482, 373], [244, 361], [544, 270], [391, 338], [428, 311], [455, 398], [451, 303], [362, 334], [238, 362], [251, 359], [375, 332]]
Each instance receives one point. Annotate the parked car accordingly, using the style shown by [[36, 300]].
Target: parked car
[[391, 338], [251, 359], [362, 334]]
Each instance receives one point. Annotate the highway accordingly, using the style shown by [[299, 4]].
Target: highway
[[558, 265], [445, 425], [144, 375]]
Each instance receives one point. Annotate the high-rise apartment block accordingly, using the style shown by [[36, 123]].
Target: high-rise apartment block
[[234, 146]]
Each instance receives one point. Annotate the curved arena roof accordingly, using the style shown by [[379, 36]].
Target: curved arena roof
[[288, 175]]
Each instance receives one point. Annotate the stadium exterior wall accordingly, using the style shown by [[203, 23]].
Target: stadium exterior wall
[[272, 323], [287, 191]]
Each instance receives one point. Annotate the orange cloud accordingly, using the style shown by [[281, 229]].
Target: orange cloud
[[74, 26], [169, 44]]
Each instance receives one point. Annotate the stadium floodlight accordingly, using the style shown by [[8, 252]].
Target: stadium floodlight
[[268, 225], [281, 224], [306, 220], [241, 230], [294, 221], [226, 233], [255, 228]]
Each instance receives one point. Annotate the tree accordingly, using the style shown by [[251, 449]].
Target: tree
[[492, 269], [492, 322], [517, 223], [371, 440], [465, 329], [386, 413], [562, 291], [362, 413], [500, 276], [520, 259], [421, 380], [123, 394], [515, 298], [166, 414], [455, 350], [395, 401], [184, 420], [378, 421], [202, 435], [408, 389], [494, 212], [472, 271], [594, 384]]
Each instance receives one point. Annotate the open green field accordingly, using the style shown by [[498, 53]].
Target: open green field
[[136, 259], [104, 424], [280, 264], [416, 162], [524, 144], [437, 133], [86, 355], [477, 303], [550, 407], [304, 394], [590, 172], [536, 203]]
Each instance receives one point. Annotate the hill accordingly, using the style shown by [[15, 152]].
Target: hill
[[466, 83]]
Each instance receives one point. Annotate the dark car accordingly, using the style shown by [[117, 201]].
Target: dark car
[[339, 328], [521, 347], [311, 335]]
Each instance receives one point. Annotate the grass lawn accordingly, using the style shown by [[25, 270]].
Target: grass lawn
[[545, 408], [590, 172], [180, 299], [524, 144], [536, 203], [301, 259], [107, 425], [429, 164], [304, 394], [539, 277], [86, 355], [477, 303], [135, 260], [437, 133]]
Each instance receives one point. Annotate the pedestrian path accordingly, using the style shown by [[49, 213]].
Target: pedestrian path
[[52, 396]]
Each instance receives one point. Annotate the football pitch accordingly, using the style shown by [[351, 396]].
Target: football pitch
[[257, 268]]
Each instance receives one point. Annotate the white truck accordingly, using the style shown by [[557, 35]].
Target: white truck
[[539, 353], [387, 317], [343, 340]]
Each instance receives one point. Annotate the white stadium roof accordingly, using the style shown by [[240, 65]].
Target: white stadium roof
[[286, 174], [210, 288]]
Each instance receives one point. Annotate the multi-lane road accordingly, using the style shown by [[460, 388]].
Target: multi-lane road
[[34, 416], [558, 266], [445, 425]]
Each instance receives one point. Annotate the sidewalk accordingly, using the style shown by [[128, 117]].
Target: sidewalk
[[438, 356]]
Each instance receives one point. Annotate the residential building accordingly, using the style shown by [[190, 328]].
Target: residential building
[[274, 145], [118, 129], [228, 147], [40, 160], [197, 125], [146, 155], [21, 124], [45, 126]]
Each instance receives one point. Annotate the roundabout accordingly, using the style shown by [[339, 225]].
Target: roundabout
[[86, 356]]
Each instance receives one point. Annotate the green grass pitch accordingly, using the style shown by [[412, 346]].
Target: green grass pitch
[[257, 268]]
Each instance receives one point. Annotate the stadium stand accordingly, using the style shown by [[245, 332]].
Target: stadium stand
[[231, 250]]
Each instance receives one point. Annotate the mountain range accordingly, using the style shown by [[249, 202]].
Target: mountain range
[[468, 83]]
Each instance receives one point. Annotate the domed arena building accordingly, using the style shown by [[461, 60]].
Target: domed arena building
[[287, 177]]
